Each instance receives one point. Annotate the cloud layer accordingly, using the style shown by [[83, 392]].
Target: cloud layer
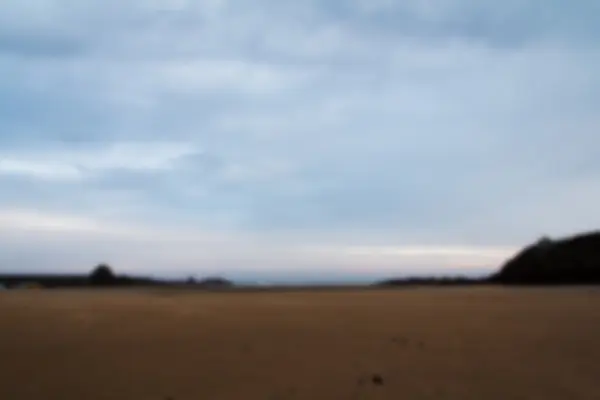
[[311, 139]]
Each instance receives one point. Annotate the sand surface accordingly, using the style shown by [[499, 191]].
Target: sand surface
[[159, 344]]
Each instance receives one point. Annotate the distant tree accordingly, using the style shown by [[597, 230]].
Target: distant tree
[[102, 275], [544, 243], [191, 280]]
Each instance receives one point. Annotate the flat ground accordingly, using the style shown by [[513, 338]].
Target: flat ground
[[446, 343]]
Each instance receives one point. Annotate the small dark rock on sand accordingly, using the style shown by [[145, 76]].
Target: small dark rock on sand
[[377, 380]]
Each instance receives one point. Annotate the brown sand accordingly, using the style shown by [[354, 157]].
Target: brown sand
[[472, 343]]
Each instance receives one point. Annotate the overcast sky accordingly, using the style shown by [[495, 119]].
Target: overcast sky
[[274, 139]]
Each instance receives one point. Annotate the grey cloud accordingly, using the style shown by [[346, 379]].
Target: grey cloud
[[502, 24], [43, 44], [464, 123]]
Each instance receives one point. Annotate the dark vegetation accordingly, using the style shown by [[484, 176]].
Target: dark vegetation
[[104, 276], [436, 281], [215, 282], [572, 260]]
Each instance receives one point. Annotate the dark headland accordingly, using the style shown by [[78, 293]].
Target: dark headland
[[572, 260]]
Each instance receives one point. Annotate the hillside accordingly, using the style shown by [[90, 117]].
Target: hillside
[[572, 260]]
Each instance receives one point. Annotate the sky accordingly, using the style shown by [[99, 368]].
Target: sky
[[295, 140]]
